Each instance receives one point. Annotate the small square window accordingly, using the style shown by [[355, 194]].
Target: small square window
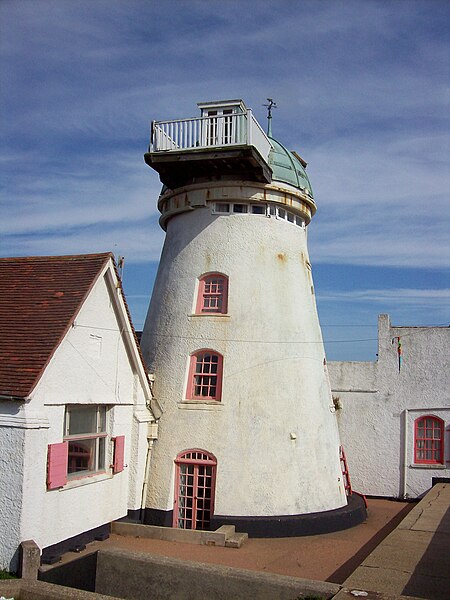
[[240, 208], [222, 207], [281, 213], [290, 217], [258, 209], [299, 221], [272, 210]]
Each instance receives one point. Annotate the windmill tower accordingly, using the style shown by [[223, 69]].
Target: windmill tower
[[248, 433]]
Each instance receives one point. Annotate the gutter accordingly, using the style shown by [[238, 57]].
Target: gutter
[[405, 453], [13, 398]]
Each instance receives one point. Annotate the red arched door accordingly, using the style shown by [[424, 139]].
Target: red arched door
[[194, 489]]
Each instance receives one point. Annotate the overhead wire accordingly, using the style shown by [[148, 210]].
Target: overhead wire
[[250, 341]]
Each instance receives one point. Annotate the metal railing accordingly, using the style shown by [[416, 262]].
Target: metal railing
[[210, 132]]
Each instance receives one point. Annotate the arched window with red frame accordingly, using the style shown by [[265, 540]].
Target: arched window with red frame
[[212, 295], [205, 376], [429, 440], [195, 481]]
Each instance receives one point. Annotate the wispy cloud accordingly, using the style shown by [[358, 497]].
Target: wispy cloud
[[423, 297], [362, 94]]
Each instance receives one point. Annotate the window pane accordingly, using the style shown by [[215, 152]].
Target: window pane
[[222, 207], [258, 210], [82, 419], [81, 456], [101, 454], [102, 419], [240, 208]]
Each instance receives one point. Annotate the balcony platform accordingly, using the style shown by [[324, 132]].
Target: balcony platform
[[183, 166]]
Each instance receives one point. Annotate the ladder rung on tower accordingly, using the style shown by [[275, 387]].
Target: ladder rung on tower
[[345, 473]]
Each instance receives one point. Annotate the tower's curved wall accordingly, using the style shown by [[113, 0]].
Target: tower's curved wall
[[274, 431]]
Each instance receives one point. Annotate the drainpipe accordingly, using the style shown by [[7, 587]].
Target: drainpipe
[[146, 476], [405, 452]]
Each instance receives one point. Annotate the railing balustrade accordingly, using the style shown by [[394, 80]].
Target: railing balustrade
[[207, 132]]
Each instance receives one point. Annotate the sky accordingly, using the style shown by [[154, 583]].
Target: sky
[[362, 95]]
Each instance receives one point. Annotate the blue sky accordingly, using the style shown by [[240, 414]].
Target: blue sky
[[362, 95]]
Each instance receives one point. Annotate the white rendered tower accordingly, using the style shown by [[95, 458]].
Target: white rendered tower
[[248, 433]]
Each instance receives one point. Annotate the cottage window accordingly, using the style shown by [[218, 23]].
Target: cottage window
[[212, 294], [205, 376], [85, 433], [429, 440]]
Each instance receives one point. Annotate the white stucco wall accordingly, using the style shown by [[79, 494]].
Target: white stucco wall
[[381, 403], [91, 366], [273, 433], [12, 441]]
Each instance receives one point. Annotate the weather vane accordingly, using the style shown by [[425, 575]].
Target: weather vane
[[271, 104]]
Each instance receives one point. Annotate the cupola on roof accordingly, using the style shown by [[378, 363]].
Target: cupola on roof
[[287, 168]]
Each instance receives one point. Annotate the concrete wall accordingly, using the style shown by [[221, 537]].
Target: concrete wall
[[380, 404], [20, 589], [141, 576], [274, 432], [91, 366]]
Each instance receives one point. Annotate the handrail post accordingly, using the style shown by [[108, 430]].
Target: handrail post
[[152, 136], [249, 126]]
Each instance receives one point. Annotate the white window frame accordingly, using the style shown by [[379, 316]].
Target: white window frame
[[96, 439]]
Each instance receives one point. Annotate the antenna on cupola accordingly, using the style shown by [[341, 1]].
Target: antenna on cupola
[[271, 104]]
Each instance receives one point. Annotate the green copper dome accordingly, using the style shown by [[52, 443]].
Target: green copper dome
[[287, 168]]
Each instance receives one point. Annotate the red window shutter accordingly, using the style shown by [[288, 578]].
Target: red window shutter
[[57, 459], [119, 452]]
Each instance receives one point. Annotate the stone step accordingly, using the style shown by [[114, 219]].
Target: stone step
[[236, 540], [226, 529]]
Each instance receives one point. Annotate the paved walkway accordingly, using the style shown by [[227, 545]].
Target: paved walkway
[[414, 560]]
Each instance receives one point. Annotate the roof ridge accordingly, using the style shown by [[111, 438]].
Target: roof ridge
[[57, 257]]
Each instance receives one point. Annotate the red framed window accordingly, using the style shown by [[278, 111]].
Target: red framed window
[[429, 440], [205, 376], [195, 481], [85, 433], [212, 294]]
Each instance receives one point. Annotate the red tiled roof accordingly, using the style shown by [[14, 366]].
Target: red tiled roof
[[39, 299]]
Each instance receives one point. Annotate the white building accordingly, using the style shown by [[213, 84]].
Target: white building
[[75, 420], [394, 415], [248, 434]]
